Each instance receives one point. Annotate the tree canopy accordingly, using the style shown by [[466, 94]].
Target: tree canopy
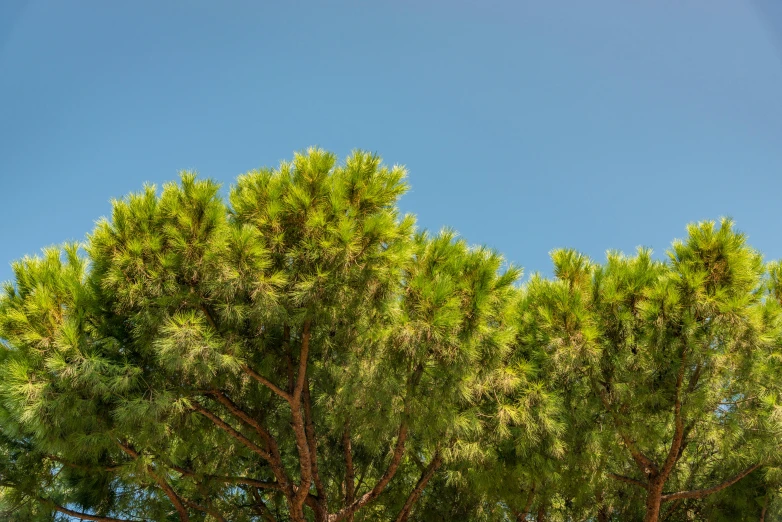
[[298, 350]]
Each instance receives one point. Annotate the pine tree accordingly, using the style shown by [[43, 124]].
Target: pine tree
[[280, 357], [299, 351], [672, 359]]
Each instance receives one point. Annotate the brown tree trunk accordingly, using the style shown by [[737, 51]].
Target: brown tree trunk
[[541, 513], [350, 475], [602, 509], [765, 508], [296, 511], [654, 500], [521, 516]]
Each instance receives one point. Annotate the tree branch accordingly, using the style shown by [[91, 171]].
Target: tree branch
[[83, 516], [220, 423], [302, 445], [700, 493], [261, 508], [628, 480], [260, 484], [208, 315], [678, 433], [303, 356], [369, 496], [350, 474], [646, 465], [313, 446], [184, 516], [266, 382], [207, 510], [399, 451], [433, 466], [694, 378], [240, 414], [521, 516], [82, 466]]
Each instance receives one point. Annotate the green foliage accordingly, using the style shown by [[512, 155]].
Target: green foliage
[[301, 352]]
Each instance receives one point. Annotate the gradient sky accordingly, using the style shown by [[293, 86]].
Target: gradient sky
[[525, 126]]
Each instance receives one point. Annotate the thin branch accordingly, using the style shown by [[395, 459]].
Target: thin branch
[[521, 516], [286, 348], [399, 450], [203, 509], [350, 474], [239, 413], [266, 382], [220, 423], [82, 466], [678, 434], [303, 356], [312, 441], [694, 378], [261, 508], [184, 516], [209, 317], [260, 484], [83, 516], [700, 493], [644, 463], [369, 496], [433, 466], [628, 480]]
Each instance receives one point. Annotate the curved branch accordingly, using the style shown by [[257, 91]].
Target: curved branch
[[220, 423], [312, 441], [628, 480], [521, 516], [184, 516], [207, 510], [260, 484], [297, 415], [399, 451], [83, 516], [644, 463], [350, 474], [419, 487], [675, 451], [266, 382], [700, 493], [97, 469]]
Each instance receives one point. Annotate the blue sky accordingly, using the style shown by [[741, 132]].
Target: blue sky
[[525, 126]]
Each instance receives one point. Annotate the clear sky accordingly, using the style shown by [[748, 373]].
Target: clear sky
[[525, 125]]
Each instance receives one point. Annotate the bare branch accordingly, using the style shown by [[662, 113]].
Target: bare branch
[[674, 452], [220, 423], [628, 480], [266, 382], [313, 445], [700, 493], [303, 356], [205, 509], [399, 451], [260, 484], [83, 467], [433, 466], [184, 516], [644, 463], [350, 474], [302, 444], [83, 516]]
